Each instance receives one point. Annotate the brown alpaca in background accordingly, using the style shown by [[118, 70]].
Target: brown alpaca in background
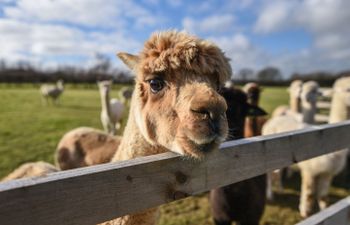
[[253, 125], [244, 201], [85, 146]]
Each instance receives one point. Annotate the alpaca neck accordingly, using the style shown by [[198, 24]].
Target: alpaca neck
[[339, 110], [308, 112], [295, 104], [105, 102]]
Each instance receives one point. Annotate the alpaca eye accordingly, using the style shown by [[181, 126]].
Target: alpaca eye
[[156, 85]]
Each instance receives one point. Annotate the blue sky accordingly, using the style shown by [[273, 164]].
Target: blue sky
[[294, 35]]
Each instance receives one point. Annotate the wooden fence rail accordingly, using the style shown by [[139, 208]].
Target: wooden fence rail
[[94, 194], [337, 214]]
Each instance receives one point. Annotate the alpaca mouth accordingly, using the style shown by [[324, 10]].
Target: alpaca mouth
[[197, 149], [204, 141]]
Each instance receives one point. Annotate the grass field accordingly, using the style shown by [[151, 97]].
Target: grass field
[[30, 131]]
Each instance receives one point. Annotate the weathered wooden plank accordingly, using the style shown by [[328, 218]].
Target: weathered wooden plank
[[337, 214], [95, 194]]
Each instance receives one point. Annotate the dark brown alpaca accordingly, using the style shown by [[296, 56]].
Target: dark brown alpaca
[[253, 125], [243, 202]]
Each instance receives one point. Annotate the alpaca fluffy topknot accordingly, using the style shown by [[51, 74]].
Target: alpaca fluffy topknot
[[172, 50]]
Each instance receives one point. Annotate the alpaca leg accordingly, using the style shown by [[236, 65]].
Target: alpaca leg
[[269, 192], [324, 182], [278, 179], [307, 195], [105, 127], [118, 125], [111, 129]]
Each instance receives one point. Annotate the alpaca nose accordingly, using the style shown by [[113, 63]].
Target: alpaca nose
[[212, 108]]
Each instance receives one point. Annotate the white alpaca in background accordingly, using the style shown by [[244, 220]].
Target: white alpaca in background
[[294, 108], [52, 91], [125, 94], [317, 173], [112, 109], [292, 120]]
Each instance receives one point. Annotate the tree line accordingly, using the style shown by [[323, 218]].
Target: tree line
[[23, 72], [273, 76]]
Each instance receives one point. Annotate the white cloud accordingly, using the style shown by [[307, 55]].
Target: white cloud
[[28, 41], [110, 13], [274, 17], [214, 23], [323, 15], [327, 21], [240, 50]]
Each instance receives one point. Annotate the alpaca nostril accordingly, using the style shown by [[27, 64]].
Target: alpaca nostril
[[202, 111], [215, 126]]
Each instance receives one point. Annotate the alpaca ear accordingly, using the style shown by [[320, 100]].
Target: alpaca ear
[[128, 59], [254, 111]]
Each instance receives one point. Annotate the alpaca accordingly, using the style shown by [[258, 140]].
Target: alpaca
[[288, 122], [243, 202], [52, 91], [253, 125], [125, 94], [294, 101], [112, 109], [85, 146], [32, 169], [175, 105], [317, 173]]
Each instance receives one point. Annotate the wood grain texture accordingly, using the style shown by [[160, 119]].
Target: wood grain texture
[[95, 194], [337, 214]]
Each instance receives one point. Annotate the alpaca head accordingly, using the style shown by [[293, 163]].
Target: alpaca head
[[309, 93], [238, 109], [60, 83], [295, 88], [175, 103], [341, 90], [104, 86], [294, 95], [253, 91]]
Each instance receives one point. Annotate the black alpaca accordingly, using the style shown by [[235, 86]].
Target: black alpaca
[[242, 202]]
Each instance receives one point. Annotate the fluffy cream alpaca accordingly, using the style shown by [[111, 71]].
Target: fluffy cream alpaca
[[317, 173], [175, 106], [112, 109], [52, 91], [292, 121], [294, 101]]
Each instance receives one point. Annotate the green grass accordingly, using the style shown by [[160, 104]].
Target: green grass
[[30, 131]]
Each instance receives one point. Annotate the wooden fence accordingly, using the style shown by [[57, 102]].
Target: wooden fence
[[337, 214], [94, 194]]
